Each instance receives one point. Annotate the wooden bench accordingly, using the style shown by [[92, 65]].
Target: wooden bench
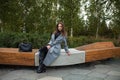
[[99, 51], [92, 52], [13, 57]]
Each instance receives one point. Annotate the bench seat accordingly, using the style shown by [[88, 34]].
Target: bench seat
[[12, 56], [81, 54], [99, 51]]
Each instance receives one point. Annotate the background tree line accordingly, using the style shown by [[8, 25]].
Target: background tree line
[[81, 17]]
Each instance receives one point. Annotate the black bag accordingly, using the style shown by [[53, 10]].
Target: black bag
[[25, 47]]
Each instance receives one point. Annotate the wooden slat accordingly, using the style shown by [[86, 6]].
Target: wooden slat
[[13, 57], [100, 54], [99, 51], [116, 52], [97, 45]]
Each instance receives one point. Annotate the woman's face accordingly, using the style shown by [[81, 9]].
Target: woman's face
[[60, 27]]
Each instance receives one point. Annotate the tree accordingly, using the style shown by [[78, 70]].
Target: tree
[[68, 13]]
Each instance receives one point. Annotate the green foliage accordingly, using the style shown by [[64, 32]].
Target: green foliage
[[40, 16], [38, 40], [81, 40], [13, 39], [70, 10]]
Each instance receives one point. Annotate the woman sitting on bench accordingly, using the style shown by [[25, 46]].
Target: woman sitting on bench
[[49, 53]]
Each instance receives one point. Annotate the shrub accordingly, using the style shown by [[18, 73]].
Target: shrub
[[13, 39], [38, 40]]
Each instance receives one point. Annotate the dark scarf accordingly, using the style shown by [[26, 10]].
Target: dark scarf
[[57, 34]]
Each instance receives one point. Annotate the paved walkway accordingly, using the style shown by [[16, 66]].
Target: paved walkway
[[99, 70]]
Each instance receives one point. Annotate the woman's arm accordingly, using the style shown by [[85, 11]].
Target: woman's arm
[[66, 46]]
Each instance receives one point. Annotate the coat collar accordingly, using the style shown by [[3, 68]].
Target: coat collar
[[57, 37]]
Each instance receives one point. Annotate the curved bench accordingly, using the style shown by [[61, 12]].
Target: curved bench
[[82, 54]]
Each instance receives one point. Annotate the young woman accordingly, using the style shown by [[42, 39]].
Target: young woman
[[49, 53]]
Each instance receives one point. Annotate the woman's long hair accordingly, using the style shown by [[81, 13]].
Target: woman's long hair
[[63, 29]]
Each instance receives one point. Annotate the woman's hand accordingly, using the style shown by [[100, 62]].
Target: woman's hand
[[48, 46], [68, 53]]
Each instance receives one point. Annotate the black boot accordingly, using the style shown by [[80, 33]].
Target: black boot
[[41, 68]]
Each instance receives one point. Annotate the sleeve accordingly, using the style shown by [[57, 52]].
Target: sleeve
[[52, 43], [65, 45]]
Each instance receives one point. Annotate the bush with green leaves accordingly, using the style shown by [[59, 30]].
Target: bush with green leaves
[[13, 39], [38, 40]]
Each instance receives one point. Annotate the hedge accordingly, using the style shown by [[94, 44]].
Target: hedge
[[38, 40], [13, 39]]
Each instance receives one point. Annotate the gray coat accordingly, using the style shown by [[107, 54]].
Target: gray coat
[[55, 49]]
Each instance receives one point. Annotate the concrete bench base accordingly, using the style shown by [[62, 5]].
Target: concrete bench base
[[76, 57]]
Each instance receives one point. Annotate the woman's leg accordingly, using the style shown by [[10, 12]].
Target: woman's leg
[[43, 52]]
